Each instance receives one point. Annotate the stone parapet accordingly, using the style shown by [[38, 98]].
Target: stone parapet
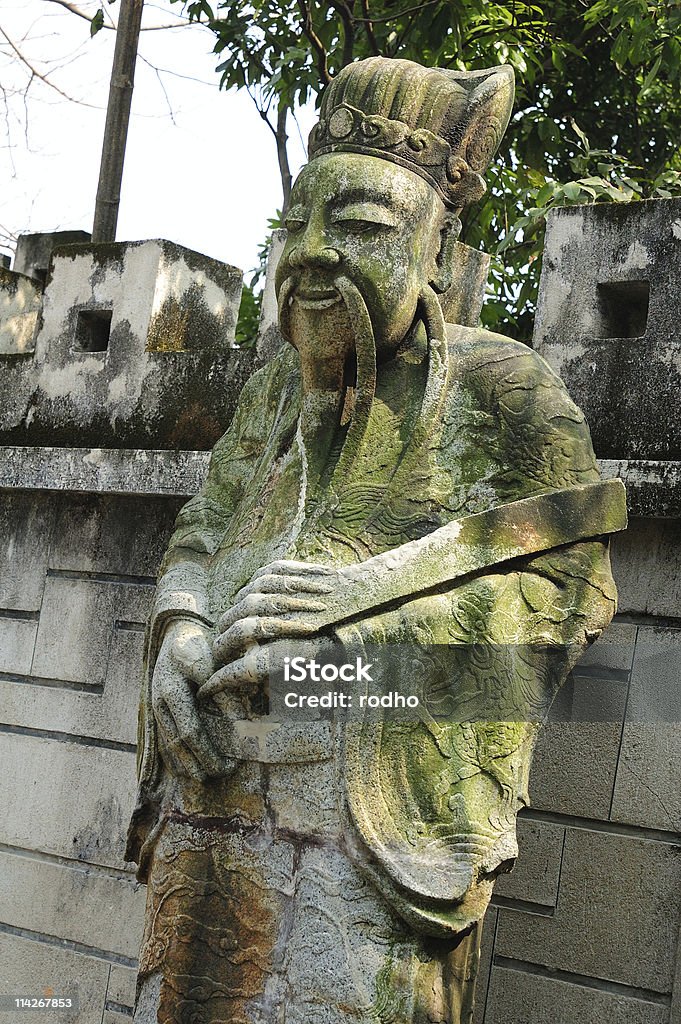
[[131, 346], [20, 307], [608, 323]]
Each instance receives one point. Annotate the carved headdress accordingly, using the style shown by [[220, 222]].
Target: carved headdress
[[443, 125]]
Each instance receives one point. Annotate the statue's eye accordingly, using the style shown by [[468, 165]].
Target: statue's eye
[[357, 226], [294, 224], [363, 218]]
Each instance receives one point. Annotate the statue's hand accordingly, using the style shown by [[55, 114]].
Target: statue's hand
[[184, 662], [284, 600]]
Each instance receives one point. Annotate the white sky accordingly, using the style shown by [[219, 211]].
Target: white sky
[[208, 181]]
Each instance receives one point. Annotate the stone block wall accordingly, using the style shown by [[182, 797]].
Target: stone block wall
[[73, 605], [585, 929], [588, 926], [84, 522]]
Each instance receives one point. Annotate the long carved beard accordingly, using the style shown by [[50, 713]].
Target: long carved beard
[[429, 311]]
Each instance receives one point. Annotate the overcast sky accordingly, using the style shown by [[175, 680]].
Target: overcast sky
[[200, 168]]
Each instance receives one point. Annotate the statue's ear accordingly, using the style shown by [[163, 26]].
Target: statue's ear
[[488, 112], [444, 261]]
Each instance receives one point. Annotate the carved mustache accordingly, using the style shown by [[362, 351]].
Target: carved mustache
[[317, 291], [307, 288]]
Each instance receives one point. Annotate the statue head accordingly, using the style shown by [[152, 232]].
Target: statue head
[[398, 151]]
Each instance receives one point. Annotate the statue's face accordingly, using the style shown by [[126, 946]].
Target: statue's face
[[371, 221]]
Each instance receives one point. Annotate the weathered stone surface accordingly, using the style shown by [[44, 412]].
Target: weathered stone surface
[[536, 875], [58, 899], [269, 336], [17, 638], [132, 338], [124, 536], [122, 984], [110, 714], [517, 996], [76, 626], [648, 786], [653, 488], [485, 970], [646, 561], [34, 251], [26, 525], [648, 783], [101, 470], [612, 654], [580, 936], [574, 768], [74, 634], [20, 305], [607, 322], [52, 805], [29, 967], [654, 693], [462, 302], [115, 1017]]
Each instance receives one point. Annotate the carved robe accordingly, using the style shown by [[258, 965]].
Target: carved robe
[[336, 872]]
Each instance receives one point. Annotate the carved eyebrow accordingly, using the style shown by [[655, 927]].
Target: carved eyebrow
[[366, 195], [376, 213]]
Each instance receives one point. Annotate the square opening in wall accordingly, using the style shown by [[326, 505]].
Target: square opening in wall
[[93, 327], [623, 309]]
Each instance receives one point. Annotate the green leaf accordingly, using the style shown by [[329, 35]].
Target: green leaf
[[580, 134], [572, 190], [545, 193], [97, 23], [650, 77]]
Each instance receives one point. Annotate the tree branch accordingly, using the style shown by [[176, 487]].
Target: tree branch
[[369, 27], [399, 14], [347, 17], [43, 78], [315, 42], [282, 154]]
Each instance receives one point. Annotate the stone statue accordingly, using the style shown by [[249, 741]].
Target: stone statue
[[389, 479]]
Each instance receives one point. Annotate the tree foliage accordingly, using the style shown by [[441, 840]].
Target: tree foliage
[[597, 116]]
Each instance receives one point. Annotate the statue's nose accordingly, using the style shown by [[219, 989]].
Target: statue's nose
[[312, 251]]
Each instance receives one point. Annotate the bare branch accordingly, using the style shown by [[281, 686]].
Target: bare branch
[[157, 72], [86, 17], [43, 78], [263, 113]]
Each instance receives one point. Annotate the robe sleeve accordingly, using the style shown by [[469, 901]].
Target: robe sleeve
[[433, 802]]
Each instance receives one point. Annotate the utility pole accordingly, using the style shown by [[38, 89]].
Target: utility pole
[[117, 119]]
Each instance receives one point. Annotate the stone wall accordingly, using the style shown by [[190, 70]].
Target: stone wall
[[90, 483], [587, 927]]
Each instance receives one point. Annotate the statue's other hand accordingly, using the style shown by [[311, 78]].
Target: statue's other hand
[[259, 662], [184, 662], [284, 600]]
